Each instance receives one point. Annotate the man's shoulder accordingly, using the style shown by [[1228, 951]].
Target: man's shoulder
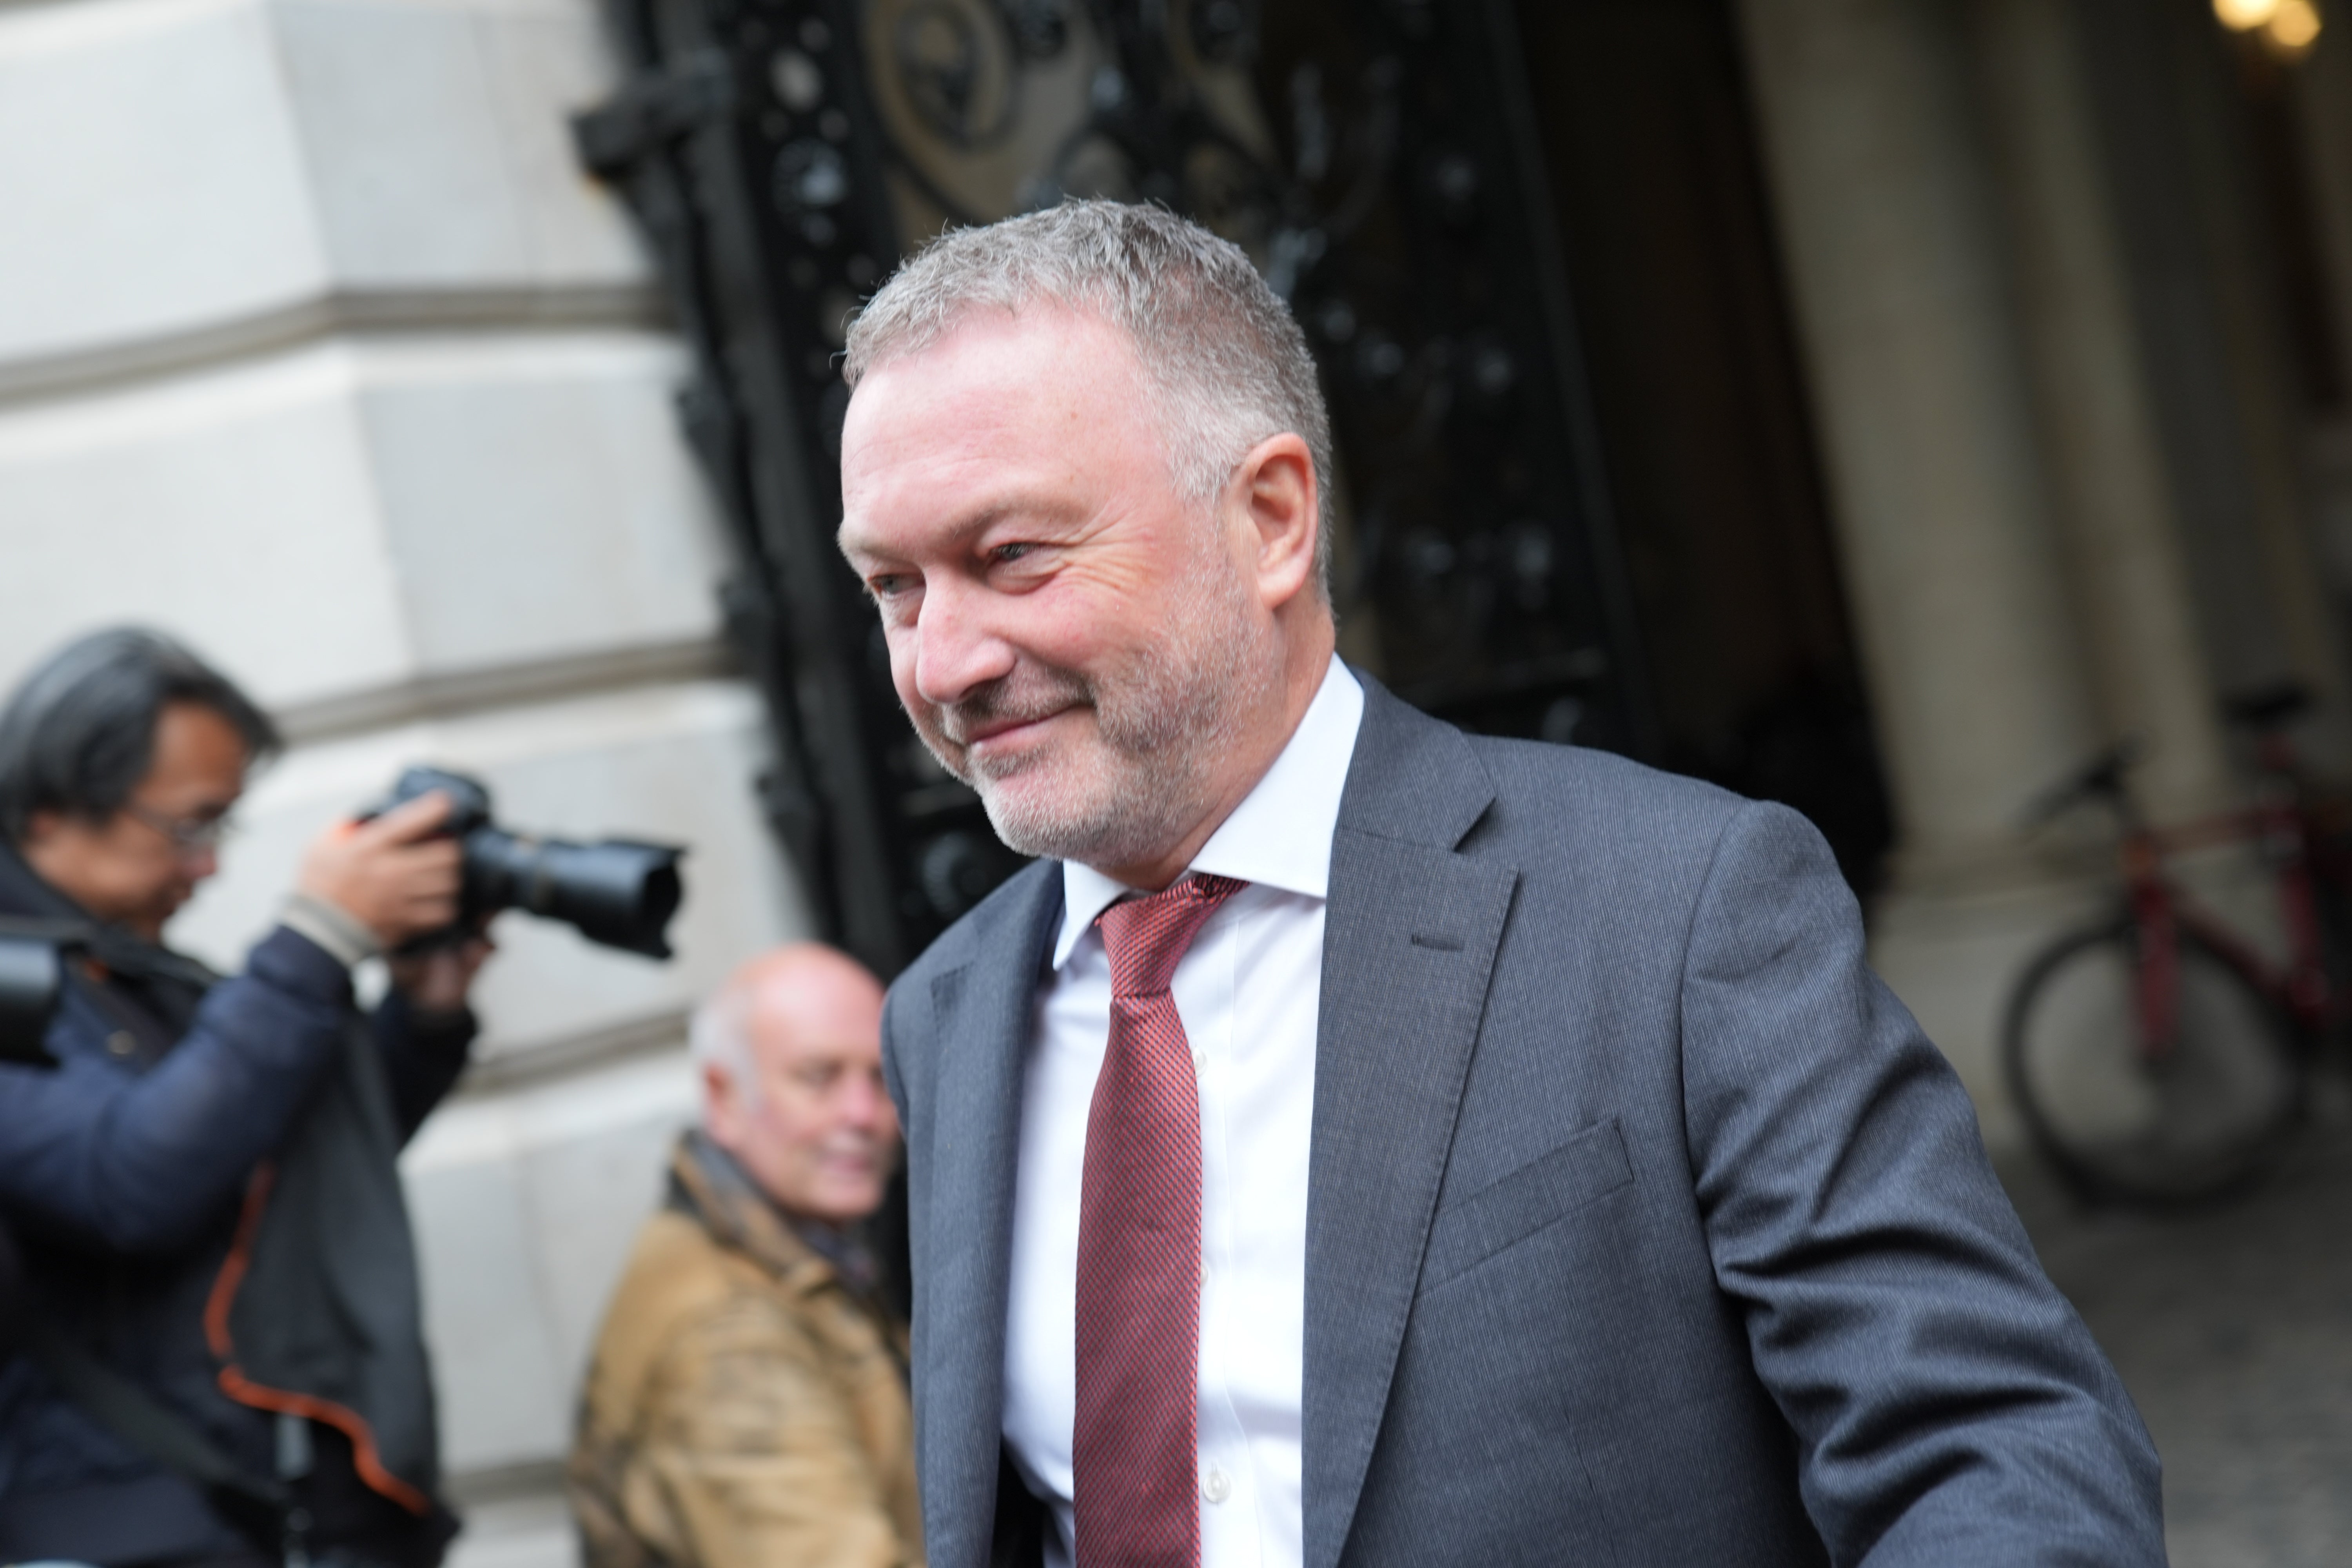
[[681, 1287], [1419, 777], [1006, 920], [1592, 810], [1602, 789], [677, 1274]]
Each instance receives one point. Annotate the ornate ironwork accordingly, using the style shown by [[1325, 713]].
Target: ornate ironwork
[[1376, 157]]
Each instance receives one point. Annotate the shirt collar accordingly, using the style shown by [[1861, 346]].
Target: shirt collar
[[1280, 835]]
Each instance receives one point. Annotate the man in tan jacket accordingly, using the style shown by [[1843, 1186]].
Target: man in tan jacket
[[747, 1405]]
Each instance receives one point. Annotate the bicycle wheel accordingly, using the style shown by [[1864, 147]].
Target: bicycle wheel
[[2120, 1121]]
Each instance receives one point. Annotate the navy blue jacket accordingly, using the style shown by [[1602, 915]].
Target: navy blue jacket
[[121, 1175]]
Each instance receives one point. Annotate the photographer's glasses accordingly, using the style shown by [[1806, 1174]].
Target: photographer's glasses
[[189, 834]]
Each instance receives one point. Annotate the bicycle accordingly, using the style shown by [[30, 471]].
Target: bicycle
[[2157, 1056]]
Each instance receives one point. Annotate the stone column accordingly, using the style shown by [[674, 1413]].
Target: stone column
[[1894, 252], [2273, 428], [2175, 143], [1894, 248], [2112, 496], [2321, 89]]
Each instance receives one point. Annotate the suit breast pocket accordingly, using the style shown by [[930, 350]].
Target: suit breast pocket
[[1549, 1188]]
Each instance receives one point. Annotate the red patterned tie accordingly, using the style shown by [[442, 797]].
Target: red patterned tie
[[1135, 1449]]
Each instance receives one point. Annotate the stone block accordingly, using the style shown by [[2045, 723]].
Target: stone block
[[595, 1159], [547, 61], [536, 498], [200, 177], [439, 142], [393, 107], [153, 172], [504, 1396], [357, 517], [526, 1205], [237, 509], [517, 1533]]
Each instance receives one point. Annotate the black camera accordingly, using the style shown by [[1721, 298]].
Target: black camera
[[31, 971], [615, 891]]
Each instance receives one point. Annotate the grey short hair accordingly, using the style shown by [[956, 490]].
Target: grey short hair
[[718, 1036], [1222, 354]]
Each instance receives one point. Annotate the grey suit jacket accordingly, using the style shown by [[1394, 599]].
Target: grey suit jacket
[[1644, 1224]]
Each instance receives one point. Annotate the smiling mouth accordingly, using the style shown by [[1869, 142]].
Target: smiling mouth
[[999, 730], [1008, 730], [1000, 719]]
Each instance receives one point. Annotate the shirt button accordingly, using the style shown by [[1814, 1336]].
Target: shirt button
[[120, 1044], [1214, 1485]]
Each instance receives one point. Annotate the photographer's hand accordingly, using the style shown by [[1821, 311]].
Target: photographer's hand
[[437, 983], [395, 875]]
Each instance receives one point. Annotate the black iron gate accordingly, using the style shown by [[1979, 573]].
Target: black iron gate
[[1377, 157]]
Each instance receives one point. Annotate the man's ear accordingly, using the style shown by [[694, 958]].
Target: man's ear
[[1276, 486], [40, 827], [722, 1107]]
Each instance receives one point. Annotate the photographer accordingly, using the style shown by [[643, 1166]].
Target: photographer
[[218, 1358]]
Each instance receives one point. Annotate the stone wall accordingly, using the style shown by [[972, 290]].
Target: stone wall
[[317, 350]]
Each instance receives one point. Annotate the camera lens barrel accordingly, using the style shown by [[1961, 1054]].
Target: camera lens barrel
[[616, 892]]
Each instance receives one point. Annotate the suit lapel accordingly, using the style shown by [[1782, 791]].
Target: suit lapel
[[981, 1017], [1409, 936]]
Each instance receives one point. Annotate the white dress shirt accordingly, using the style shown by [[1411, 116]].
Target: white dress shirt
[[1249, 991]]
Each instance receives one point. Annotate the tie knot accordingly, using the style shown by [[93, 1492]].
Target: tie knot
[[1147, 937]]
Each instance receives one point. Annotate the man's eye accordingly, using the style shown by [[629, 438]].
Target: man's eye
[[1004, 552], [887, 584]]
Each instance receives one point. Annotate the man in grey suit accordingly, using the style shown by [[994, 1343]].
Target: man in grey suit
[[1356, 1141]]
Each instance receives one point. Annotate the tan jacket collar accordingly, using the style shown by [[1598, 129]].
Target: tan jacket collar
[[706, 1183]]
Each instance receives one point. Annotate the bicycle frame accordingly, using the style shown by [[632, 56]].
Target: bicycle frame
[[2160, 910], [2222, 1069]]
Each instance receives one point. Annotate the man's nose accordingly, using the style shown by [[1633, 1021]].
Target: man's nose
[[957, 649], [865, 1106]]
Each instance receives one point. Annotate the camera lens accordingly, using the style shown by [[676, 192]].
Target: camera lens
[[616, 892]]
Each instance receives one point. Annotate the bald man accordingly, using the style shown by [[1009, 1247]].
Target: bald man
[[747, 1400]]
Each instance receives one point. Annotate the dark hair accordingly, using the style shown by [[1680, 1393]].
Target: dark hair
[[79, 734]]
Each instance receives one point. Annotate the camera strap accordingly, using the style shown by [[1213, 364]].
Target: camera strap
[[262, 1507]]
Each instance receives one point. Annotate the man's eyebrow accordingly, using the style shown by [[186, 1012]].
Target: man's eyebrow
[[986, 518], [976, 523]]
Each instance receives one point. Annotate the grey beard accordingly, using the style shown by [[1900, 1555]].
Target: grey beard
[[1124, 832], [1127, 824]]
